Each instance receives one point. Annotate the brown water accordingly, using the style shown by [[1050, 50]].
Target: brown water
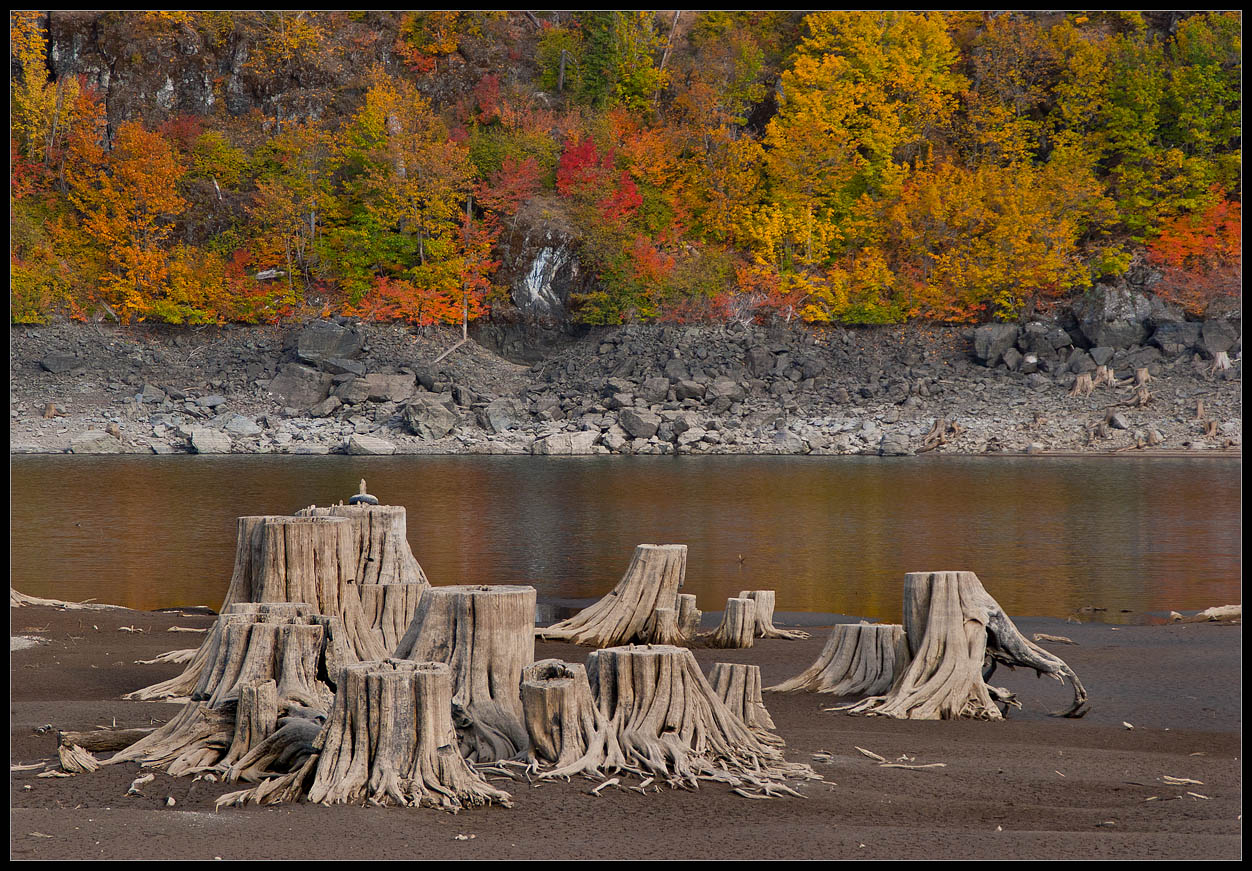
[[1047, 536]]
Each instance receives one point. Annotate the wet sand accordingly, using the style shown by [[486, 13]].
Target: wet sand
[[1029, 787]]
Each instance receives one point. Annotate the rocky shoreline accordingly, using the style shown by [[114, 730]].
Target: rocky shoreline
[[336, 386]]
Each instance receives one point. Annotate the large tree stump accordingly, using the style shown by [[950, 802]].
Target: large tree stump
[[380, 541], [660, 718], [561, 714], [487, 635], [858, 660], [652, 581], [389, 608], [765, 627], [257, 645], [738, 626], [309, 559], [389, 739], [952, 625], [739, 686]]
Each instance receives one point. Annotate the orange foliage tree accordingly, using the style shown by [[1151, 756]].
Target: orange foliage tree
[[1201, 255]]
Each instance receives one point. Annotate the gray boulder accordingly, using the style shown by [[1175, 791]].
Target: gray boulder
[[499, 415], [58, 363], [95, 441], [322, 341], [209, 441], [564, 443], [639, 423], [688, 390], [243, 426], [353, 391], [428, 418], [759, 360], [992, 340], [1175, 338], [299, 386], [390, 388], [1114, 316], [654, 390], [1218, 335], [369, 446], [894, 444]]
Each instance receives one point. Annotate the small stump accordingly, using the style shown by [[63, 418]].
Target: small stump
[[739, 686], [487, 635], [561, 714], [765, 627], [952, 625], [858, 660], [738, 626], [627, 614]]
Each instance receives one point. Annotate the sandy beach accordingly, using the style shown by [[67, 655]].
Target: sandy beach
[[1029, 787]]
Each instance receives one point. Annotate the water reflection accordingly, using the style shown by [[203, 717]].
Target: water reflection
[[1046, 535]]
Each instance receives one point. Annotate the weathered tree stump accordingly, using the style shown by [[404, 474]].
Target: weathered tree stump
[[389, 608], [660, 718], [952, 625], [255, 645], [561, 714], [1083, 385], [662, 627], [688, 615], [739, 686], [309, 559], [738, 626], [487, 635], [858, 660], [388, 740], [380, 541], [282, 752], [765, 627], [652, 581]]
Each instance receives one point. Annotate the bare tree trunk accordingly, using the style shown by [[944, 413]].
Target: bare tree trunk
[[652, 581], [561, 714], [380, 540], [738, 626], [487, 635], [951, 625], [858, 660]]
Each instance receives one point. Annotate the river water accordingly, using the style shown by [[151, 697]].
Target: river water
[[1047, 536]]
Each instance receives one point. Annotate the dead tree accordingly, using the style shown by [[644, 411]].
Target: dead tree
[[952, 625], [660, 719], [257, 645], [1104, 377], [738, 626], [562, 719], [625, 615], [389, 608], [388, 739], [688, 615], [487, 635], [380, 540], [858, 660], [738, 685], [765, 627]]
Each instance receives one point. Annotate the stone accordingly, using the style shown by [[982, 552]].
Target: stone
[[96, 441], [615, 439], [1012, 359], [565, 443], [1176, 338], [429, 418], [688, 390], [369, 446], [992, 340], [894, 444], [308, 449], [641, 424], [209, 441], [676, 371], [784, 441], [322, 341], [341, 366], [654, 390], [691, 436], [154, 395], [390, 388], [1101, 355], [1218, 335], [1118, 421], [1080, 361], [326, 407], [759, 360], [213, 400], [299, 386], [499, 415], [59, 363], [242, 426], [1114, 316], [353, 391]]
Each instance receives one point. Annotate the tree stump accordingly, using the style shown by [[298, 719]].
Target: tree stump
[[738, 626], [562, 719], [688, 615], [660, 718], [380, 542], [662, 627], [951, 625], [765, 627], [309, 559], [739, 686], [1083, 385], [282, 752], [256, 645], [858, 660], [487, 635], [652, 581], [389, 608]]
